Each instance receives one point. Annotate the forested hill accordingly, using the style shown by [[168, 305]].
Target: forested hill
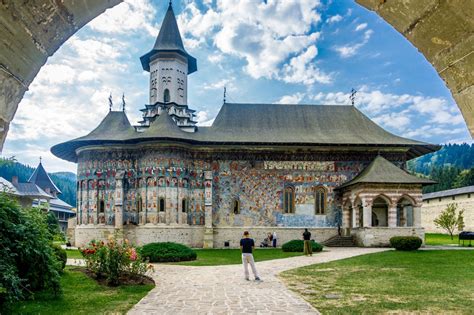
[[451, 167], [65, 181]]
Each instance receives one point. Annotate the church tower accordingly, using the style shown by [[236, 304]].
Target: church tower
[[169, 66]]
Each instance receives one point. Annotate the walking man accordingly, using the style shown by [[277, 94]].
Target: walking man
[[247, 245], [308, 249]]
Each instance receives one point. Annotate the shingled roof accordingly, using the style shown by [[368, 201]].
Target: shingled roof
[[382, 171], [169, 40], [41, 178], [256, 124]]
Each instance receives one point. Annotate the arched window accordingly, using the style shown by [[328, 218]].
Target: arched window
[[184, 205], [166, 96], [101, 206], [236, 206], [320, 197], [139, 204], [162, 204], [289, 200]]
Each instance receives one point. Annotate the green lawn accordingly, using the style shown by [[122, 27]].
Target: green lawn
[[82, 295], [427, 282], [440, 239], [74, 254], [215, 257]]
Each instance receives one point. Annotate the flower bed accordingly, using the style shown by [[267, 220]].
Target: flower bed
[[116, 262]]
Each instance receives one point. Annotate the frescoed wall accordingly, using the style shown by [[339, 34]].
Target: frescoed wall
[[160, 183]]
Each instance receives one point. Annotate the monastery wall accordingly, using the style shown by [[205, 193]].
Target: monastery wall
[[380, 236]]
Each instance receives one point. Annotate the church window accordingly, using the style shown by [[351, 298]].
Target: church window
[[236, 206], [166, 96], [289, 200], [320, 197], [101, 206], [184, 205], [162, 204]]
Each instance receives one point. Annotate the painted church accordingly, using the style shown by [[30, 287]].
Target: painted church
[[259, 167]]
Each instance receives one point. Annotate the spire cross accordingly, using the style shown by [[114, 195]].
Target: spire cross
[[123, 101], [225, 93], [110, 102], [352, 96], [40, 159]]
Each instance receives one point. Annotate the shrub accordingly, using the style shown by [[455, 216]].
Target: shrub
[[406, 242], [114, 260], [61, 255], [27, 262], [298, 246], [167, 252]]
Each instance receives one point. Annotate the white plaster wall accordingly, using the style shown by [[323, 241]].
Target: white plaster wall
[[175, 73], [380, 236], [432, 209]]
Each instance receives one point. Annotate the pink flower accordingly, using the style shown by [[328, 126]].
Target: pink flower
[[133, 254]]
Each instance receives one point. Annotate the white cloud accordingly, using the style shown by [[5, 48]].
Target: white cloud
[[203, 119], [347, 51], [219, 85], [361, 27], [256, 34], [334, 19], [129, 16], [291, 99]]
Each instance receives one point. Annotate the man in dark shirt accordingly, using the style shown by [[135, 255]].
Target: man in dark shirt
[[246, 246], [308, 249]]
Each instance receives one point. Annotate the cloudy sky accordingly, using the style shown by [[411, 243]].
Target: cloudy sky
[[308, 52]]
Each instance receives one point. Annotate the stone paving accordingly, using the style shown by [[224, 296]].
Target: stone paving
[[223, 289]]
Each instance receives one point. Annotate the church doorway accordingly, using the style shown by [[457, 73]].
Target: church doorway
[[380, 212]]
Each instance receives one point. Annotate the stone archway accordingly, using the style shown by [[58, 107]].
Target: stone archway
[[441, 30], [380, 207]]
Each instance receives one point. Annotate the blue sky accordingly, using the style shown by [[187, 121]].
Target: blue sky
[[308, 52]]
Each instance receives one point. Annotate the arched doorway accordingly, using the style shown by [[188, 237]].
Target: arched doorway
[[405, 213], [380, 212]]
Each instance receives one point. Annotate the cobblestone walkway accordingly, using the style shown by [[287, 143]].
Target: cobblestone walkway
[[223, 289]]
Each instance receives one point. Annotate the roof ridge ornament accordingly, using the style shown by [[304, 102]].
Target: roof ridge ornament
[[225, 93], [123, 102], [110, 102], [353, 96]]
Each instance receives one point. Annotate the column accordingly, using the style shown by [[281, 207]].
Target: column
[[417, 216], [367, 210], [209, 231], [392, 216], [355, 217], [119, 201]]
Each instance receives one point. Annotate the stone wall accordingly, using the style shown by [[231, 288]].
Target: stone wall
[[432, 208], [380, 236]]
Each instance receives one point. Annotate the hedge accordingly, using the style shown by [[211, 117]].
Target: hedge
[[406, 242], [61, 255], [298, 246], [167, 252]]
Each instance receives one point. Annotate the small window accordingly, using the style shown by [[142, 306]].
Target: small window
[[320, 200], [439, 199], [289, 200], [236, 206], [166, 96], [468, 195], [184, 205], [162, 204], [427, 201], [101, 206], [454, 197]]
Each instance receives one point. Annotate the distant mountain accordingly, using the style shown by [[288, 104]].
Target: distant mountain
[[452, 167], [66, 181]]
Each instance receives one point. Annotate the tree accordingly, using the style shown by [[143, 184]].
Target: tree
[[449, 220]]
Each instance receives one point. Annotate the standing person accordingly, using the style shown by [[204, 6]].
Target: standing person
[[308, 249], [274, 239], [247, 245]]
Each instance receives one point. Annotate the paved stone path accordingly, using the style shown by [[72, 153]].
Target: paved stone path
[[223, 289]]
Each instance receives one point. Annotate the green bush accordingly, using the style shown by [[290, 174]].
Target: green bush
[[27, 262], [167, 252], [406, 242], [61, 255], [298, 246]]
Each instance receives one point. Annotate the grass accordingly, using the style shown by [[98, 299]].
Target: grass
[[82, 295], [74, 254], [427, 282], [215, 257], [440, 239]]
